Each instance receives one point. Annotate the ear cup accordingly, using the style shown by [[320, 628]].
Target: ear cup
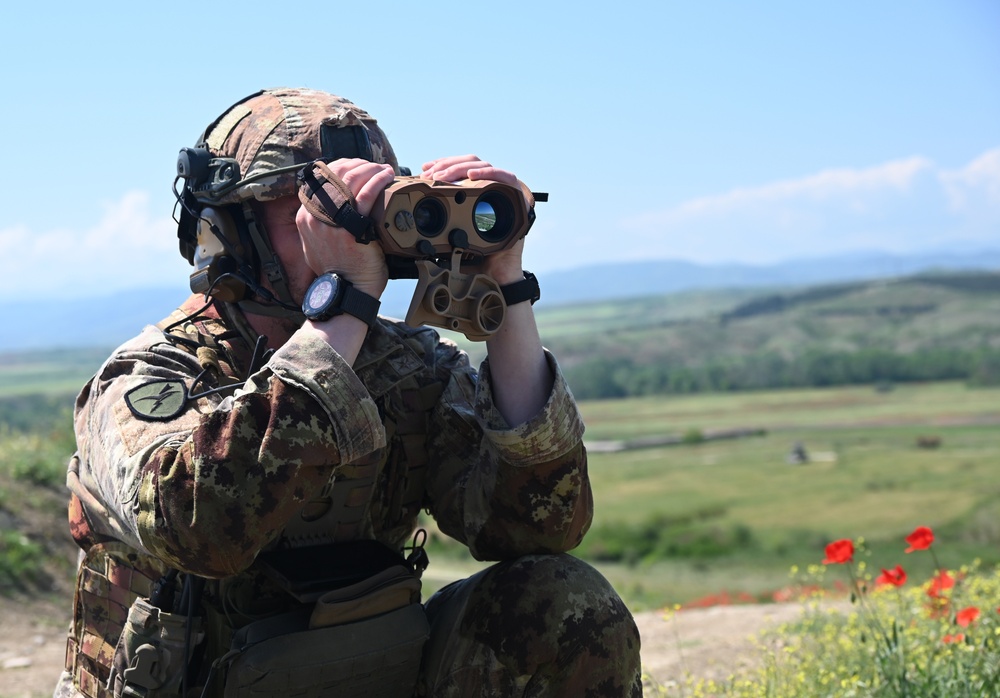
[[217, 257]]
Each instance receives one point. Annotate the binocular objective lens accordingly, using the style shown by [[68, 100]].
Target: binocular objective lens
[[430, 217], [493, 216], [485, 216]]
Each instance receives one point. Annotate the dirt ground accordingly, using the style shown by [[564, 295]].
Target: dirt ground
[[709, 643]]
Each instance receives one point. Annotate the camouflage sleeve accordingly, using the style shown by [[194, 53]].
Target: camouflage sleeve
[[508, 491], [206, 489]]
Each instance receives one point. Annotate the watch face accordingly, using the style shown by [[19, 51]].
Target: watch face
[[323, 290]]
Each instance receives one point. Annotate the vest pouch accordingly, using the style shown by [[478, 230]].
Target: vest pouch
[[376, 657], [149, 659], [364, 639]]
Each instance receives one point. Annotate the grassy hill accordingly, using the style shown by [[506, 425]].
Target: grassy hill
[[898, 314], [932, 326], [916, 328]]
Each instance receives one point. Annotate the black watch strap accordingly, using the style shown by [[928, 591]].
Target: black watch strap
[[330, 295], [360, 305], [520, 291]]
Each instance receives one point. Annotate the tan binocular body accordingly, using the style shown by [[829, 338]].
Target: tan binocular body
[[422, 217], [451, 222], [440, 226]]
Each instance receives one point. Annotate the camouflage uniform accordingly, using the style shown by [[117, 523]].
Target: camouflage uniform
[[192, 457], [310, 450]]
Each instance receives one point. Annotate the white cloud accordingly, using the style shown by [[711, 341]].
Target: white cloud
[[899, 206], [126, 248], [976, 184], [846, 184]]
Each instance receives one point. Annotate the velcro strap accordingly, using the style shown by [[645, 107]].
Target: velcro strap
[[326, 197], [525, 290]]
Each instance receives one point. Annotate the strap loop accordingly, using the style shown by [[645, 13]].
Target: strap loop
[[328, 198]]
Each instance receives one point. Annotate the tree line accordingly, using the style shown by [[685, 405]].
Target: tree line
[[606, 377]]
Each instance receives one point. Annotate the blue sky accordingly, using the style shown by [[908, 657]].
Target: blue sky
[[711, 132]]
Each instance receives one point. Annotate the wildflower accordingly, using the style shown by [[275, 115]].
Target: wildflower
[[957, 637], [838, 552], [967, 616], [920, 539], [941, 582], [896, 577]]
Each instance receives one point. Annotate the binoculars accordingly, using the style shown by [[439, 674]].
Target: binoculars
[[435, 232], [442, 224]]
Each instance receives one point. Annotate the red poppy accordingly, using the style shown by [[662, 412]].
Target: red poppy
[[839, 552], [941, 581], [896, 577], [967, 616], [957, 637], [920, 539]]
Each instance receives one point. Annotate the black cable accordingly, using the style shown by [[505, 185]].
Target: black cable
[[188, 317]]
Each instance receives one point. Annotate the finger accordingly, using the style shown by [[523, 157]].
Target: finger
[[356, 177], [373, 188], [494, 174], [449, 161], [344, 164], [453, 168], [459, 171]]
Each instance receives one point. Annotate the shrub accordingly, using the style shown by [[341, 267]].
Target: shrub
[[660, 537], [20, 562], [33, 458]]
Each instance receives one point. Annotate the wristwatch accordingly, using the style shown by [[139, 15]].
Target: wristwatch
[[525, 290], [330, 295]]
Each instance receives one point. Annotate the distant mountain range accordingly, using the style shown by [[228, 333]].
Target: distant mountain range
[[109, 320]]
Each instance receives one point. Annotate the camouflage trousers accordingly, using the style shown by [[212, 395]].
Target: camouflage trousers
[[541, 625]]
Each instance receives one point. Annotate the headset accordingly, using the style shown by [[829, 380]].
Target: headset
[[226, 242]]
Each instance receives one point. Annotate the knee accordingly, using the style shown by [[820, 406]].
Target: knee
[[538, 625], [552, 585], [548, 605]]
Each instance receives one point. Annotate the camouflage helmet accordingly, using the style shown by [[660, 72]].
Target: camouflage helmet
[[254, 151], [278, 130]]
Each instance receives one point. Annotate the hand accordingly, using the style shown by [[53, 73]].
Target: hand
[[504, 267], [331, 248], [465, 167]]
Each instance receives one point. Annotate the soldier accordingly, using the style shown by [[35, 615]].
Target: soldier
[[248, 477]]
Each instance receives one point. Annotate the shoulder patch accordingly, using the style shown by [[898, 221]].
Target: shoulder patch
[[158, 400]]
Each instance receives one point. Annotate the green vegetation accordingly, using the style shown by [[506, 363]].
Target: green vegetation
[[21, 562], [902, 637], [675, 522], [942, 327], [36, 440], [55, 373]]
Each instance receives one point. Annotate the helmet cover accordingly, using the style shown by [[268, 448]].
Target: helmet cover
[[281, 128]]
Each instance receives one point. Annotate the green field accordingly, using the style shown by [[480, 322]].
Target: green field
[[52, 372], [869, 478]]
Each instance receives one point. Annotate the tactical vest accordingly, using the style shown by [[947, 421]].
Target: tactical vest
[[385, 488]]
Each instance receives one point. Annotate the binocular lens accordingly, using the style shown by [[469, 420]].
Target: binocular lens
[[429, 216], [486, 217], [493, 216]]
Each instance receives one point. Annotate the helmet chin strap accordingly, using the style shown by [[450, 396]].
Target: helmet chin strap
[[272, 269]]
